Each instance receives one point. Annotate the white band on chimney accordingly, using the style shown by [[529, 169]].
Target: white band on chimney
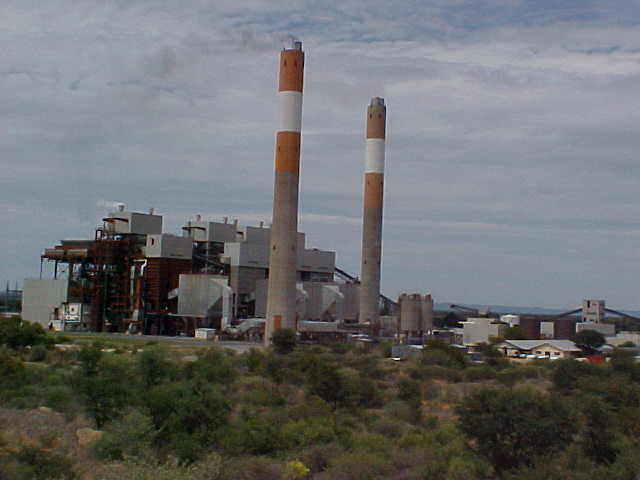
[[375, 155], [290, 111]]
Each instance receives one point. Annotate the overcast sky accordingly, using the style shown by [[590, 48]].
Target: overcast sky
[[512, 154]]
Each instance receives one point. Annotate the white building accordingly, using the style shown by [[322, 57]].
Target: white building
[[480, 330], [544, 349], [593, 311]]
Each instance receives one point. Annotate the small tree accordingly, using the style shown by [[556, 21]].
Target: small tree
[[589, 339], [284, 340], [597, 436], [154, 365], [513, 427]]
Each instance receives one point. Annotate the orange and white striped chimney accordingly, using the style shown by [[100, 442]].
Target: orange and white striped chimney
[[281, 296], [372, 214]]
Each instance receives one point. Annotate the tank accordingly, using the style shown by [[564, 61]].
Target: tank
[[410, 312], [427, 313]]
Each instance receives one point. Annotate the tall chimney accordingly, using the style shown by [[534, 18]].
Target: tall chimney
[[281, 298], [372, 215]]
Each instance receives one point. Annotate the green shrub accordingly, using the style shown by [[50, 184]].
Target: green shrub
[[253, 468], [17, 333], [441, 354], [252, 435], [284, 340], [359, 466], [106, 385], [32, 463], [187, 415], [128, 436], [154, 366], [478, 373], [12, 371], [442, 373], [215, 366], [309, 432], [566, 373], [317, 457], [38, 353], [513, 427], [254, 360]]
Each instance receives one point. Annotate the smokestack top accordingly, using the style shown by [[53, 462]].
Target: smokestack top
[[377, 102], [295, 45]]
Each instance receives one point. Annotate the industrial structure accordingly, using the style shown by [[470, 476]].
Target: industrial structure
[[249, 281], [281, 300], [132, 276], [372, 214], [416, 316]]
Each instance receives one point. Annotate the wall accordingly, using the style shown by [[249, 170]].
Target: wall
[[169, 246], [605, 329], [479, 330], [624, 337], [40, 297], [197, 293], [139, 223], [210, 231]]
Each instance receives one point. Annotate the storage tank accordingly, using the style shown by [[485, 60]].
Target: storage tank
[[427, 313], [410, 312]]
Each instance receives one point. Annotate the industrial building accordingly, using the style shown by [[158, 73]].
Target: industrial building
[[133, 276]]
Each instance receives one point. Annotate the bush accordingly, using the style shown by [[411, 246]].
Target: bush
[[254, 360], [477, 373], [187, 416], [442, 373], [359, 466], [284, 340], [32, 463], [154, 366], [252, 435], [441, 354], [105, 384], [589, 339], [129, 436], [253, 468], [566, 374], [18, 333], [512, 427], [214, 366], [38, 353], [317, 457], [12, 371]]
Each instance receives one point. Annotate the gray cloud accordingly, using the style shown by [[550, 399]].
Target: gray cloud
[[511, 154]]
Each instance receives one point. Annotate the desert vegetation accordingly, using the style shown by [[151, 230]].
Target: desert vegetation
[[150, 411]]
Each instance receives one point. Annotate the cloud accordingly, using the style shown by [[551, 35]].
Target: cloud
[[511, 173]]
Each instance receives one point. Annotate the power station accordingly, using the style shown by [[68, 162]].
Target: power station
[[242, 281]]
